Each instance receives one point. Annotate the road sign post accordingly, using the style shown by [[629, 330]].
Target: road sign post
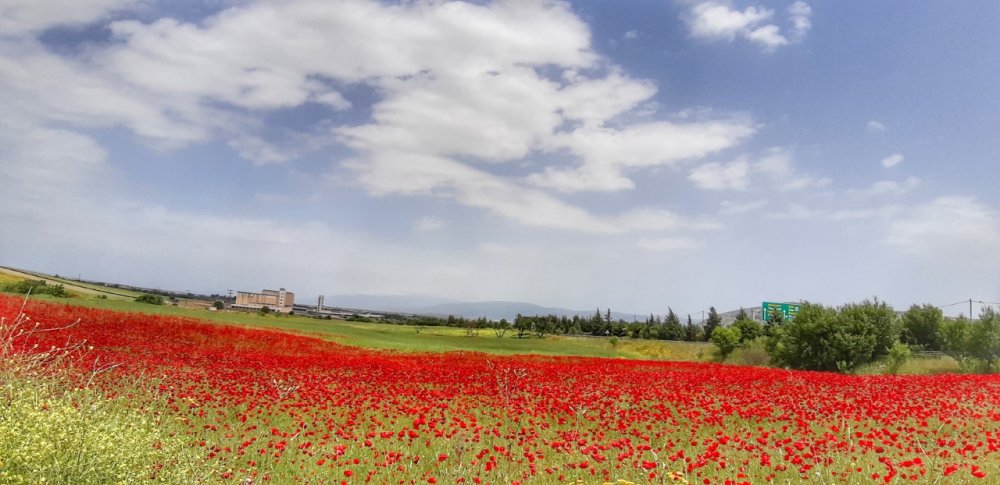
[[787, 310]]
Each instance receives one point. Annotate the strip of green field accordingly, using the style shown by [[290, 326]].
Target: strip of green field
[[408, 338], [79, 287]]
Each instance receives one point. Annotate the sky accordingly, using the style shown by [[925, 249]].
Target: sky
[[634, 155]]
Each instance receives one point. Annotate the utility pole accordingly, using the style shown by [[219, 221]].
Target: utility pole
[[970, 309]]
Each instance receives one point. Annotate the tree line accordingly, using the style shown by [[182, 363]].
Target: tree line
[[842, 339], [600, 324]]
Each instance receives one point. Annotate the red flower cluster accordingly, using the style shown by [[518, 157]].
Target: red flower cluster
[[277, 406]]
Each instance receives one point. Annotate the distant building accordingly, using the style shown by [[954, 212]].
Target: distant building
[[319, 302], [279, 301]]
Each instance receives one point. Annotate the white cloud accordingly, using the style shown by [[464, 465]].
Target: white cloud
[[948, 229], [607, 152], [892, 187], [774, 168], [428, 224], [722, 176], [892, 160], [768, 36], [632, 34], [875, 126], [799, 14], [21, 17], [718, 20], [670, 244], [459, 86]]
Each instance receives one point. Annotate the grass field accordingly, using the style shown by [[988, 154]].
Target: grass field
[[406, 338], [77, 288]]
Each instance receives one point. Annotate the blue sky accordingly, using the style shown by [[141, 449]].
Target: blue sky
[[636, 155]]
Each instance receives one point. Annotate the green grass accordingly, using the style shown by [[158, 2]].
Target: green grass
[[406, 338], [78, 288]]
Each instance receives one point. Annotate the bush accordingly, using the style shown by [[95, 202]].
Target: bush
[[984, 341], [36, 287], [57, 435], [726, 339], [922, 327], [751, 352], [825, 339], [749, 329], [150, 299], [898, 356]]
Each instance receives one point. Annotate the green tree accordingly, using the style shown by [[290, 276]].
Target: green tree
[[984, 342], [804, 343], [713, 322], [875, 318], [500, 328], [150, 299], [956, 336], [823, 338], [922, 326], [35, 287], [727, 339], [218, 305], [749, 328], [672, 329], [692, 332]]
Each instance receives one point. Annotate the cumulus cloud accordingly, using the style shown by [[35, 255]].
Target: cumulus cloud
[[20, 17], [722, 176], [892, 160], [892, 187], [875, 126], [775, 168], [719, 20], [799, 14], [951, 227], [460, 88]]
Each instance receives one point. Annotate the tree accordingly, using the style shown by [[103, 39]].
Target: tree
[[522, 324], [713, 322], [984, 343], [218, 305], [35, 287], [749, 328], [875, 318], [541, 326], [774, 320], [922, 327], [672, 329], [823, 338], [727, 339], [692, 332], [150, 299], [956, 336], [500, 328]]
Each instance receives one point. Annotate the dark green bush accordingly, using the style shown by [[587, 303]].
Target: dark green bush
[[150, 299], [826, 339], [36, 287]]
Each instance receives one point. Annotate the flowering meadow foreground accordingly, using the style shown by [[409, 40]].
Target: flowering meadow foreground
[[181, 400]]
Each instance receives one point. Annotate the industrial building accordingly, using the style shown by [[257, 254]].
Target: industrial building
[[279, 301]]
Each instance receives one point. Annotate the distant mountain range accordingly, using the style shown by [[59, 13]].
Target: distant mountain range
[[493, 310]]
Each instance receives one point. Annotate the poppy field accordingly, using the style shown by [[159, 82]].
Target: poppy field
[[255, 406]]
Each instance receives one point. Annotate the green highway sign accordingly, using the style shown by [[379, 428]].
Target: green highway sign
[[788, 310]]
